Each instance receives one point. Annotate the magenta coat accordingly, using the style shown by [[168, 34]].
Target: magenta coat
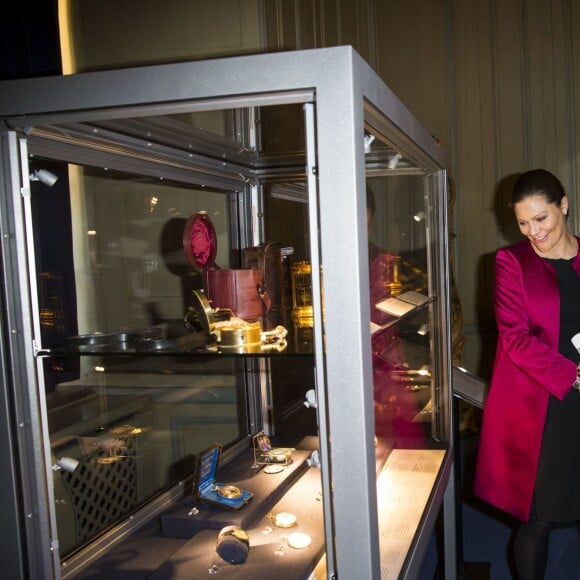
[[527, 369]]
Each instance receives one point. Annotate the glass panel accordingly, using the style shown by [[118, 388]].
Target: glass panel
[[282, 130], [128, 428], [127, 411], [286, 219], [406, 373], [216, 122], [128, 262], [124, 428], [286, 215], [220, 133], [400, 313]]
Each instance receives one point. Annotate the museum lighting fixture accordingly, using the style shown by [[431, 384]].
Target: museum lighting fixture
[[67, 464], [311, 401], [44, 176], [368, 142], [394, 161], [423, 330]]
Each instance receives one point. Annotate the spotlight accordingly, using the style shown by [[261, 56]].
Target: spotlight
[[423, 330], [311, 401], [419, 216], [394, 161], [314, 459], [368, 142], [576, 341], [67, 464], [44, 176]]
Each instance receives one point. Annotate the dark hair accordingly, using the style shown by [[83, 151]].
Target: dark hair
[[538, 181]]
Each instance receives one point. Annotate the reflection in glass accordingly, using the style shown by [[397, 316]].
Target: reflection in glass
[[134, 425], [399, 297], [113, 281]]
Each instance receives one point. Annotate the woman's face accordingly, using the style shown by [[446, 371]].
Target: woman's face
[[543, 223]]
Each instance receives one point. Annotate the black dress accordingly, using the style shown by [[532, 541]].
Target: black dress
[[557, 493]]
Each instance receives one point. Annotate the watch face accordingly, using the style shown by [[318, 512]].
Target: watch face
[[271, 469], [299, 540], [199, 241], [230, 491], [285, 520]]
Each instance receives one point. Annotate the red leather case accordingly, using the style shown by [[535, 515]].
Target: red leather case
[[236, 289]]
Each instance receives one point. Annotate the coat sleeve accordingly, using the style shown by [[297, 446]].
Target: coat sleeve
[[529, 338]]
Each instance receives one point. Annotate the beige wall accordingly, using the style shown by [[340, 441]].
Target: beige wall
[[119, 33], [496, 81]]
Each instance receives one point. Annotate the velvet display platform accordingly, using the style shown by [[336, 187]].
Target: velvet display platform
[[181, 544], [270, 555], [267, 489]]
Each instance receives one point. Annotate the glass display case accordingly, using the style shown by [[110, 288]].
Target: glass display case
[[226, 303]]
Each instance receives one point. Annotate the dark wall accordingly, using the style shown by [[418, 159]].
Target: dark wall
[[29, 47], [29, 43]]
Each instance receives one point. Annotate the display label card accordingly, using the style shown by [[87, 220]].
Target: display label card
[[394, 306], [413, 297], [400, 305]]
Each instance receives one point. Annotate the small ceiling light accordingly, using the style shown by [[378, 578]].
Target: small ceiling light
[[67, 464], [311, 401], [368, 142], [423, 330], [44, 176], [394, 161], [314, 459]]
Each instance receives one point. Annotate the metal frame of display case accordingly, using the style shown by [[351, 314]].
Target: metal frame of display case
[[340, 93]]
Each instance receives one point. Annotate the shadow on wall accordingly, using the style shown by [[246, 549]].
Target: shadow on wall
[[175, 262], [508, 233], [504, 213]]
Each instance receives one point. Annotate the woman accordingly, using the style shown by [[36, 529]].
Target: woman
[[529, 457]]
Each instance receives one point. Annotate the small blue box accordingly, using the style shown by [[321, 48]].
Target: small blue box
[[223, 495]]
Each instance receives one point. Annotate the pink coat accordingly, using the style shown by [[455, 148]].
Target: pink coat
[[527, 369]]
